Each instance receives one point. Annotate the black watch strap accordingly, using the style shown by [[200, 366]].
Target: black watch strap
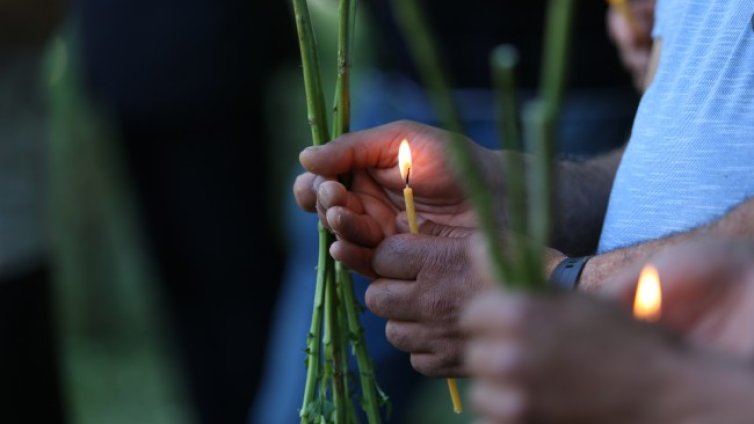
[[565, 276]]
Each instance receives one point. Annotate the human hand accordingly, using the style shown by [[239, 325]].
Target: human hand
[[424, 281], [707, 290], [364, 215], [634, 41], [565, 358]]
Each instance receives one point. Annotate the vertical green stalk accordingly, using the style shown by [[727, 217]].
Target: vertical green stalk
[[555, 57], [540, 179], [341, 124], [418, 36], [542, 117], [313, 341], [315, 103], [334, 361], [315, 100], [504, 60], [372, 400]]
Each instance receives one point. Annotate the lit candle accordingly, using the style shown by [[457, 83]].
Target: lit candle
[[648, 300], [404, 164], [624, 9]]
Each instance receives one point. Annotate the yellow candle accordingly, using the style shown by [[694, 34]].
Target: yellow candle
[[404, 164], [408, 197]]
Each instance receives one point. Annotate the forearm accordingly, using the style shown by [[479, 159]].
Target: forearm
[[583, 190], [737, 223]]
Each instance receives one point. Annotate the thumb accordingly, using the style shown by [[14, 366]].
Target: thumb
[[431, 228], [372, 148]]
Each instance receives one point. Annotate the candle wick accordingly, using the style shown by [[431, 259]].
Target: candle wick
[[408, 174]]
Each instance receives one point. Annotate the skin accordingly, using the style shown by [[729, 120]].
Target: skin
[[541, 358]]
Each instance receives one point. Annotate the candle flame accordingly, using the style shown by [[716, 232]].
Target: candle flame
[[404, 160], [648, 300]]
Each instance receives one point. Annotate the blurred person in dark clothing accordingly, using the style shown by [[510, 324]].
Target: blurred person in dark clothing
[[29, 374], [184, 83]]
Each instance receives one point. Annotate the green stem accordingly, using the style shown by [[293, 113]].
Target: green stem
[[344, 341], [315, 103], [371, 401], [315, 100], [313, 341], [417, 35], [504, 60], [541, 118], [540, 179], [555, 56], [341, 125], [333, 352]]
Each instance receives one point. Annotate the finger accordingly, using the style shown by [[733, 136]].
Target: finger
[[495, 312], [493, 357], [393, 299], [409, 337], [373, 148], [498, 402], [401, 256], [359, 229], [354, 257], [333, 193], [434, 365], [303, 191]]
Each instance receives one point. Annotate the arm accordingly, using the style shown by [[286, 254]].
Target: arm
[[737, 223], [583, 192], [585, 187]]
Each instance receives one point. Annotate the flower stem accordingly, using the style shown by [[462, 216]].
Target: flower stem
[[371, 401], [313, 341], [315, 100], [418, 36], [541, 118], [504, 60]]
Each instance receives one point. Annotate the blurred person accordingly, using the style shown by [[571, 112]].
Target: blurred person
[[573, 358], [183, 83], [685, 173], [29, 373], [600, 105]]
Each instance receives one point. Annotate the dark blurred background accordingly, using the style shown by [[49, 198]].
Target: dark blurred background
[[137, 237]]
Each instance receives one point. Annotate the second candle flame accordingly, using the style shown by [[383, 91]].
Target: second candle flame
[[648, 300], [404, 160]]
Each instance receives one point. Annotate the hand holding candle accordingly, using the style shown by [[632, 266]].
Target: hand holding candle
[[404, 164]]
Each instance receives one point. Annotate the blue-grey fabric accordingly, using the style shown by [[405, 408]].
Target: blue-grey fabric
[[691, 153]]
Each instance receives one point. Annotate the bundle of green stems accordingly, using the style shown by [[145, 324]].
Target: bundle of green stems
[[335, 317], [517, 256]]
